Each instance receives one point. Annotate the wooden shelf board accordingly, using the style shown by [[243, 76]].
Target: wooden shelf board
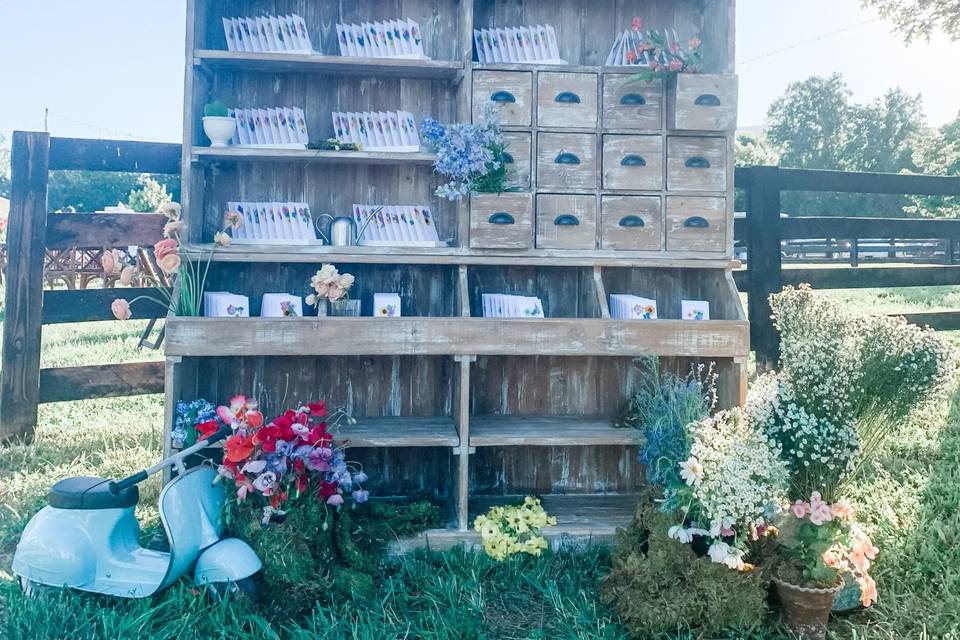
[[324, 64], [454, 336], [454, 256], [581, 520], [307, 156], [510, 431]]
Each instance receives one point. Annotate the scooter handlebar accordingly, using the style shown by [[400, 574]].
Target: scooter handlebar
[[224, 433], [129, 481], [140, 476]]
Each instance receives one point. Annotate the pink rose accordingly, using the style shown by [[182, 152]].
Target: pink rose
[[120, 309], [164, 247]]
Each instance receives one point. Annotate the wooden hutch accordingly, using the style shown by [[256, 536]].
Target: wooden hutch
[[449, 404]]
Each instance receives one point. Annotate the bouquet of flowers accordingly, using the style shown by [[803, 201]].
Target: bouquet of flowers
[[292, 455], [187, 416], [329, 284], [514, 529], [470, 156]]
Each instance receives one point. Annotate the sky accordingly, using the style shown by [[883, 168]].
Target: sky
[[114, 68]]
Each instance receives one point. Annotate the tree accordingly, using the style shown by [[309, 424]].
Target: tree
[[88, 191], [939, 154], [150, 196], [4, 168], [752, 151], [921, 18]]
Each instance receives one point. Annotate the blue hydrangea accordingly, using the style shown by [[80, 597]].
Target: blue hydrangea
[[465, 152], [187, 416]]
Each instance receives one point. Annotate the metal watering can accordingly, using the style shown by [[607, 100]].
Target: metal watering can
[[343, 229]]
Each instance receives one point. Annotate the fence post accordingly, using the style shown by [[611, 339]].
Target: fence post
[[763, 260], [26, 241]]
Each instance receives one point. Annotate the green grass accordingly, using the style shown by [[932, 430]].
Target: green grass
[[910, 500]]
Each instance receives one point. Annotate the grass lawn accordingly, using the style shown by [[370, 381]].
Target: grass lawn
[[910, 500]]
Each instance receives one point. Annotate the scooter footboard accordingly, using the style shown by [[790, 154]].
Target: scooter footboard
[[228, 560]]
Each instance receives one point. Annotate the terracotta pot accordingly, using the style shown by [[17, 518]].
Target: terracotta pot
[[806, 610]]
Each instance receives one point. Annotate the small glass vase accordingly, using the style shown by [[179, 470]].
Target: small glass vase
[[350, 308]]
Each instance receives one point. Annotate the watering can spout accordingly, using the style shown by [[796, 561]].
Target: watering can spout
[[363, 225]]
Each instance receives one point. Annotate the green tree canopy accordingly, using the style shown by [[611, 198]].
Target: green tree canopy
[[938, 154], [88, 191], [921, 18], [4, 168], [150, 196]]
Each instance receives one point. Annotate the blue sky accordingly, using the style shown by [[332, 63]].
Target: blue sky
[[114, 68]]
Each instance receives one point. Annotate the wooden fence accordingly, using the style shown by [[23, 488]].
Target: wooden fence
[[31, 232], [764, 230]]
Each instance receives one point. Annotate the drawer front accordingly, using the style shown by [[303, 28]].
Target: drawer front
[[633, 162], [503, 221], [510, 91], [567, 100], [696, 223], [631, 223], [567, 161], [702, 102], [517, 159], [566, 221], [631, 104], [696, 164]]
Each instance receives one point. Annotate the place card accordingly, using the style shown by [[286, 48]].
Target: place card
[[527, 44], [386, 305], [630, 307], [281, 305], [268, 34], [502, 305], [694, 309], [222, 304]]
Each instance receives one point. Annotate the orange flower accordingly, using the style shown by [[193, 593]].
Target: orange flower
[[169, 263], [165, 247], [238, 448], [109, 262], [120, 309]]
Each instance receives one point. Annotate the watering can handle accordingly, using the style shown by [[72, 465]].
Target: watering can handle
[[364, 223], [316, 223]]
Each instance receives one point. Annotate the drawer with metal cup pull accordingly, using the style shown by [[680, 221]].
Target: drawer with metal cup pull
[[633, 162], [511, 92], [566, 161], [631, 223], [631, 104], [696, 224], [501, 221], [566, 221], [566, 99], [696, 163], [702, 102], [516, 159]]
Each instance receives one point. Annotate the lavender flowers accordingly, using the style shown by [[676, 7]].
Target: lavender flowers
[[469, 155]]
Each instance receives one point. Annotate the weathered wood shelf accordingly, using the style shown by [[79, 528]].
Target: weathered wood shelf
[[455, 336], [327, 65], [548, 431], [307, 156]]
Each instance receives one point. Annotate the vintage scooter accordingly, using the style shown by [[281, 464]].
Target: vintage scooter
[[88, 536]]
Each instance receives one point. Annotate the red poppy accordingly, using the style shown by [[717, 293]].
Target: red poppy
[[327, 489], [278, 498], [317, 408], [238, 448], [207, 429], [302, 483], [267, 438], [254, 419]]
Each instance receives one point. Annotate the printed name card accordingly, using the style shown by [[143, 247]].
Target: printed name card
[[502, 305], [386, 305], [399, 38], [281, 305], [377, 130], [222, 304], [535, 44], [274, 127], [629, 307], [273, 222], [396, 225], [268, 34], [695, 309]]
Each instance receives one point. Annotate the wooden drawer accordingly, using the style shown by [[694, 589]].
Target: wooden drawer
[[702, 102], [566, 221], [631, 104], [696, 223], [567, 100], [501, 221], [517, 159], [633, 162], [511, 91], [631, 223], [696, 164], [567, 161]]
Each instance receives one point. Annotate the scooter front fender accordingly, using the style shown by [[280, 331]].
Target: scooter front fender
[[228, 560]]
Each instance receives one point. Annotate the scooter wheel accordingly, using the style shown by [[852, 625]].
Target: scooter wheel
[[244, 588]]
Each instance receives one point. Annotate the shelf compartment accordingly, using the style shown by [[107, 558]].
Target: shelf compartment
[[252, 154], [547, 431], [455, 336], [326, 64]]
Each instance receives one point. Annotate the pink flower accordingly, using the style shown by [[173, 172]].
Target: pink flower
[[164, 248], [232, 219], [842, 511], [120, 309], [109, 262], [820, 511], [635, 24], [126, 275], [868, 590], [675, 65], [832, 559], [800, 509], [694, 43], [335, 500]]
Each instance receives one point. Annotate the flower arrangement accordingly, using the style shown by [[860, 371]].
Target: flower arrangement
[[291, 456], [470, 156], [508, 530], [664, 56], [329, 284], [191, 275], [187, 415]]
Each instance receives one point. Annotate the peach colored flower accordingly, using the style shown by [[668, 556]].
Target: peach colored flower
[[126, 275], [172, 210], [120, 309], [800, 509], [173, 227], [164, 248], [170, 263], [868, 590], [832, 559], [335, 292], [109, 262], [222, 239], [232, 219], [842, 511]]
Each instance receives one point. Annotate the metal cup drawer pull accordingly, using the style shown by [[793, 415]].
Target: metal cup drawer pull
[[565, 157], [566, 220], [631, 221], [501, 217], [567, 97], [633, 160], [696, 222], [707, 100], [502, 96], [697, 162], [633, 100]]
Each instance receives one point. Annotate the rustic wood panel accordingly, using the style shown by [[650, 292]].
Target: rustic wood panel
[[545, 431], [702, 102], [696, 223], [114, 155], [69, 230], [861, 277], [633, 162], [696, 163], [100, 381], [567, 100], [519, 148], [619, 228], [91, 305], [567, 161], [631, 104], [566, 221], [503, 221]]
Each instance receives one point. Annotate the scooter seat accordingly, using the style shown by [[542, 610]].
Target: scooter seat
[[90, 493]]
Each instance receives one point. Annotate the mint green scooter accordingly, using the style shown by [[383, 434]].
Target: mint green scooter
[[87, 538]]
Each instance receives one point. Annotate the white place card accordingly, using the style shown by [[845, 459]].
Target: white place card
[[694, 309], [386, 305], [281, 305]]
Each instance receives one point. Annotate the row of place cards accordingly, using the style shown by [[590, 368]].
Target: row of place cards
[[268, 34], [630, 307], [277, 222], [502, 305], [222, 304], [396, 225], [387, 39], [377, 130], [276, 127], [535, 44]]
